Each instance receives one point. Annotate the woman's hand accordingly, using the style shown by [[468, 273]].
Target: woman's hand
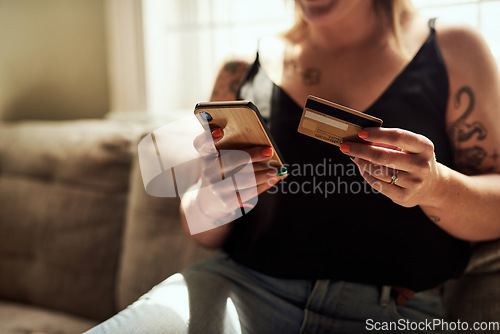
[[249, 167], [398, 163], [229, 180]]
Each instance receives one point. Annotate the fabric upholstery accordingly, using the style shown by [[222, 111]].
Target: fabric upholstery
[[64, 188], [23, 319], [155, 245], [476, 295]]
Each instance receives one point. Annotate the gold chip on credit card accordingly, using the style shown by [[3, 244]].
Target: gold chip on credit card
[[333, 123]]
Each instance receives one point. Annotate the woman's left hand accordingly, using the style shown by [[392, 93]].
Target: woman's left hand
[[399, 164]]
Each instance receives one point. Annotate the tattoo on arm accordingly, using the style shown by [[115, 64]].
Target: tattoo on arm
[[467, 158], [228, 81], [494, 156], [435, 219], [235, 68], [234, 85]]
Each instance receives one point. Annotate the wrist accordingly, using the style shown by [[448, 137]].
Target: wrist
[[436, 197]]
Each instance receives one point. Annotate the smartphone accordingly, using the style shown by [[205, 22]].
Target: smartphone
[[243, 127]]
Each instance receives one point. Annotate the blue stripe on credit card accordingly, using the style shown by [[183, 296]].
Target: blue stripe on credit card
[[340, 114]]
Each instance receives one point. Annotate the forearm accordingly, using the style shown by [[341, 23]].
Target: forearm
[[467, 207], [212, 237], [225, 89]]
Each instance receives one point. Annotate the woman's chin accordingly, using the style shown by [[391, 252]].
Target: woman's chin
[[317, 10]]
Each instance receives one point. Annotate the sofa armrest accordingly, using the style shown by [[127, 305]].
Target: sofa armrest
[[475, 296], [63, 193], [155, 245]]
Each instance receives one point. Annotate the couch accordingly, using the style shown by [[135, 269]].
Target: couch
[[80, 239]]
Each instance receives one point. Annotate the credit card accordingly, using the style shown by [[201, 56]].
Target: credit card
[[333, 123]]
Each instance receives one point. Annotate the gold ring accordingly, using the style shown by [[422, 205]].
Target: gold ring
[[394, 177]]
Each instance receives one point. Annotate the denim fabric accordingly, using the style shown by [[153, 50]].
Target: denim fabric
[[221, 296]]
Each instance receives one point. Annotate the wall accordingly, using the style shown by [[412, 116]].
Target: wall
[[186, 42], [481, 14], [53, 60]]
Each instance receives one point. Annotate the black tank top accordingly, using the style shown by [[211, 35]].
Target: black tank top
[[324, 220]]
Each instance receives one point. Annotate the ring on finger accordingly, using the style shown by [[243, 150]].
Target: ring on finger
[[394, 177]]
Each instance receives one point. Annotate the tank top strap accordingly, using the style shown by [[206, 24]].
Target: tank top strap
[[432, 23]]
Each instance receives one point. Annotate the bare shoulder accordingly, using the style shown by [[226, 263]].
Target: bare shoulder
[[464, 49], [232, 70], [458, 35], [472, 115]]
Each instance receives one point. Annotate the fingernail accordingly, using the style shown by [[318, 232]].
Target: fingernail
[[267, 152], [217, 132], [363, 134], [247, 206], [282, 171], [351, 157], [345, 147]]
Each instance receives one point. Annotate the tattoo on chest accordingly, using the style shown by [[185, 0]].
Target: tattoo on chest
[[290, 67], [461, 132], [310, 76], [435, 219]]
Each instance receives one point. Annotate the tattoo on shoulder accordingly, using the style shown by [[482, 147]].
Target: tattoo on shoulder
[[232, 67], [468, 158], [228, 80]]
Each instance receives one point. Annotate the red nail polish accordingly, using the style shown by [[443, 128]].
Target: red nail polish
[[345, 148], [217, 132], [363, 134], [267, 152]]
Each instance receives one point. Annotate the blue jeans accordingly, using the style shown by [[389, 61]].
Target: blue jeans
[[222, 296]]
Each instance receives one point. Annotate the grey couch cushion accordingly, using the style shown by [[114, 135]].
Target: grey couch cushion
[[23, 319], [476, 295], [63, 192], [155, 245]]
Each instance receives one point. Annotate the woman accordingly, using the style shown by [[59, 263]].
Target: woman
[[354, 258]]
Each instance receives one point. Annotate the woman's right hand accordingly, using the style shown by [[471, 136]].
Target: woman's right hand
[[229, 180]]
